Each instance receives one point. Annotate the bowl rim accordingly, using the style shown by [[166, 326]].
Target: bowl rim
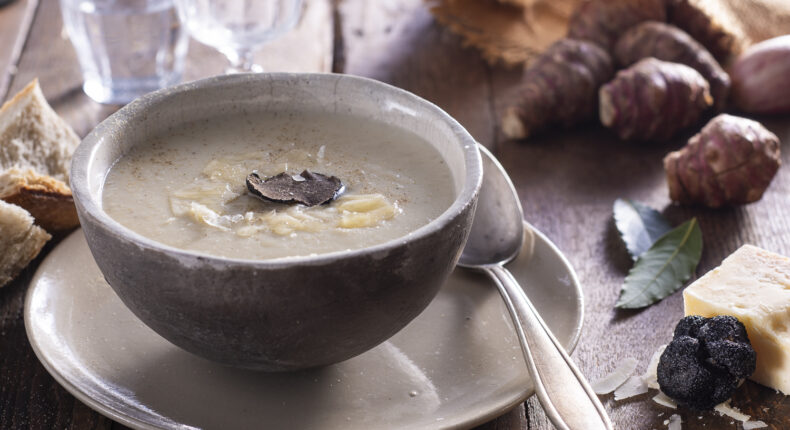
[[93, 212]]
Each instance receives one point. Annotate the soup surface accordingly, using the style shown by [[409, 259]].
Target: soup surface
[[186, 188]]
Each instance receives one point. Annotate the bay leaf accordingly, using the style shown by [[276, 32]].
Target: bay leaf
[[663, 268], [639, 225]]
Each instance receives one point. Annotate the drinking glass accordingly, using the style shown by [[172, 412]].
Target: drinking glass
[[237, 27], [125, 48]]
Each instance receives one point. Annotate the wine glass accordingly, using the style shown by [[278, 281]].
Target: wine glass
[[237, 27]]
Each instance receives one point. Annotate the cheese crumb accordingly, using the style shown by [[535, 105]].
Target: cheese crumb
[[664, 400], [651, 373], [675, 422], [617, 378], [634, 386], [725, 409]]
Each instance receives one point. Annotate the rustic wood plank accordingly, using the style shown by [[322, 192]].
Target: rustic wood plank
[[513, 419], [15, 20]]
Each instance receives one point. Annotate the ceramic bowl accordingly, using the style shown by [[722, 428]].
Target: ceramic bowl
[[288, 313]]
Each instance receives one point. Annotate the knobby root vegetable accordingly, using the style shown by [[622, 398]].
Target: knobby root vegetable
[[559, 87], [653, 100], [692, 17], [603, 21], [761, 77], [730, 162], [669, 43]]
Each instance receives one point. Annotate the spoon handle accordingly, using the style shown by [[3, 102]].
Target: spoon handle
[[563, 391]]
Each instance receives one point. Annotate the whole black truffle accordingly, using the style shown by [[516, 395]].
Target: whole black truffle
[[706, 361]]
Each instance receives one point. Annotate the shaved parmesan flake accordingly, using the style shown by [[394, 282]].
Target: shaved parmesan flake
[[651, 373], [749, 425], [675, 422], [725, 409], [201, 213], [634, 386], [616, 378], [664, 400]]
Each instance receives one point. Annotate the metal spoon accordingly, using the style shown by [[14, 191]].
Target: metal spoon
[[496, 238]]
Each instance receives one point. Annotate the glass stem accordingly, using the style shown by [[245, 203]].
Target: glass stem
[[241, 61]]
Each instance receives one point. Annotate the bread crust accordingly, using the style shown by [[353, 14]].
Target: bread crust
[[18, 97], [20, 240], [47, 199]]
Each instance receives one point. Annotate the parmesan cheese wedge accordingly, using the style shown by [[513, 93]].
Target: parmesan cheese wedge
[[752, 285]]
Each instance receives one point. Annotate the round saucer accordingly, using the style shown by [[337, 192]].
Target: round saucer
[[457, 365]]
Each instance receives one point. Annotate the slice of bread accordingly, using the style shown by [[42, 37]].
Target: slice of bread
[[20, 241], [46, 198], [33, 135], [35, 155]]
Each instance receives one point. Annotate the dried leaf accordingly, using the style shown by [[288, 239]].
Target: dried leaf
[[663, 268], [639, 225], [511, 32]]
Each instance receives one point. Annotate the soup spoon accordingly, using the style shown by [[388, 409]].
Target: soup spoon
[[495, 239]]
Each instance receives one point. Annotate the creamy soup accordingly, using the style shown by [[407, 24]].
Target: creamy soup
[[186, 188]]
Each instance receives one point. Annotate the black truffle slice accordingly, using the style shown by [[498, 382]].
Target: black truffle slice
[[307, 188]]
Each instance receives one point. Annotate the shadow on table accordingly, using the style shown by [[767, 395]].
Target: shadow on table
[[196, 392]]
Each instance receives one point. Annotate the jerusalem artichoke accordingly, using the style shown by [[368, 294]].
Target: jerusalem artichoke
[[669, 43], [560, 87], [760, 77], [730, 162], [653, 99], [603, 21]]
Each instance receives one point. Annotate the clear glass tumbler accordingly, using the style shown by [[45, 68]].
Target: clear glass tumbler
[[238, 27], [126, 48]]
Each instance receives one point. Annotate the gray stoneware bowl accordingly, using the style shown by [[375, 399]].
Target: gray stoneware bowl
[[288, 313]]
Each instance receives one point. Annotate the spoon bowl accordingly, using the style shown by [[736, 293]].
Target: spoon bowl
[[497, 232]]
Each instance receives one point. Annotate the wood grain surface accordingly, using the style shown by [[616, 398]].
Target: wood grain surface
[[567, 182]]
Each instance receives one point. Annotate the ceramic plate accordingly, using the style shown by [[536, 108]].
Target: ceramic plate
[[458, 364]]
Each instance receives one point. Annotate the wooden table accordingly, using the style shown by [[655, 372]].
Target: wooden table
[[567, 182]]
